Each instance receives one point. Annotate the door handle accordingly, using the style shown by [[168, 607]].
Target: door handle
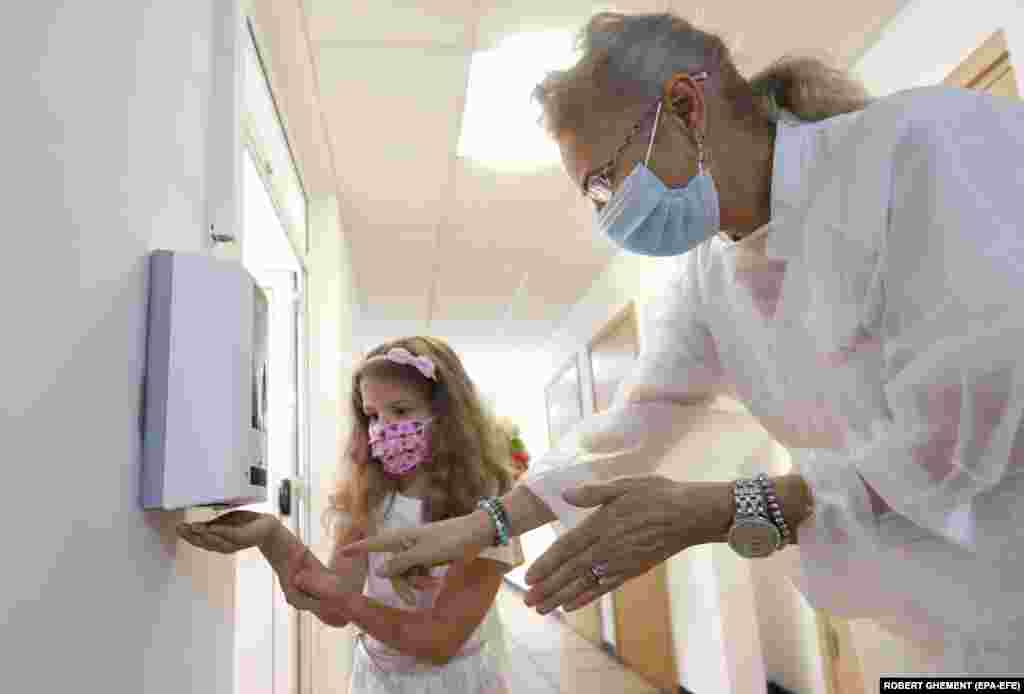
[[284, 497]]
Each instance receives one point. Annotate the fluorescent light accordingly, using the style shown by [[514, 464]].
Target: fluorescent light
[[500, 128]]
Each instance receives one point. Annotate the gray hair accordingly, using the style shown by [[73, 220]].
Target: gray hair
[[626, 60]]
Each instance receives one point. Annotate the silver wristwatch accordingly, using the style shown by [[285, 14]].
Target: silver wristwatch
[[753, 534]]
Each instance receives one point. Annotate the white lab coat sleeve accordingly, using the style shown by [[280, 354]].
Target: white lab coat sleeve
[[676, 372], [951, 265]]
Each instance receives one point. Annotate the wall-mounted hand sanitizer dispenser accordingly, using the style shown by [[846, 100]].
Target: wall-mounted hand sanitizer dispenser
[[205, 437]]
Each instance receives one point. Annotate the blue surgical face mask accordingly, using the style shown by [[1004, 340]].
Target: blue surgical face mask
[[647, 217]]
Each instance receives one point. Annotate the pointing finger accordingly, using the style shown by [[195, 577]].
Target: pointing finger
[[393, 541]]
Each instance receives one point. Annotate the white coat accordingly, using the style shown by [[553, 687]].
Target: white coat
[[876, 327]]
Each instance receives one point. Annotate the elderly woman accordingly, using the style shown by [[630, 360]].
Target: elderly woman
[[852, 271]]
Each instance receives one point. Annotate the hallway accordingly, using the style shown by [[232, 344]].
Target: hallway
[[549, 658]]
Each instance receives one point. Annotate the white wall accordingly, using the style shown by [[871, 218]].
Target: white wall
[[512, 383], [627, 277], [928, 39], [105, 114]]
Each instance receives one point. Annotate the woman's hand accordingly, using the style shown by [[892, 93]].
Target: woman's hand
[[430, 545], [230, 533], [416, 578], [641, 523]]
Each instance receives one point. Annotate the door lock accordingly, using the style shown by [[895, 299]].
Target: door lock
[[290, 490]]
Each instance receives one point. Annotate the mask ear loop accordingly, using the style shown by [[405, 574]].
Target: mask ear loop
[[700, 151], [650, 145], [696, 135]]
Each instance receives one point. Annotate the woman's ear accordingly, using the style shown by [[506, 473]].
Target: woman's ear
[[684, 97]]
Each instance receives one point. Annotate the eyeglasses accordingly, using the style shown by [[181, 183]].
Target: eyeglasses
[[597, 185]]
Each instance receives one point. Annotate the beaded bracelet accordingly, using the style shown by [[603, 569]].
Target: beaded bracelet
[[496, 510], [772, 504]]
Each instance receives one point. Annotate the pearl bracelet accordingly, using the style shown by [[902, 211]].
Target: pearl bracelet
[[771, 502]]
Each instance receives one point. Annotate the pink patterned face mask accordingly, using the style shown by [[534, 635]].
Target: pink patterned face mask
[[400, 447]]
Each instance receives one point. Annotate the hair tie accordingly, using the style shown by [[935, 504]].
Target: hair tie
[[769, 90]]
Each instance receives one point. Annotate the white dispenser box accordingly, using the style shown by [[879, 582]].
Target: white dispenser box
[[205, 438]]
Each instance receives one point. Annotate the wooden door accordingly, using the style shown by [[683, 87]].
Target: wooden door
[[988, 69], [642, 614], [842, 668], [643, 628]]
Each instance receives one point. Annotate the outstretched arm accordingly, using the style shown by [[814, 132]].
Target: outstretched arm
[[667, 392], [436, 634]]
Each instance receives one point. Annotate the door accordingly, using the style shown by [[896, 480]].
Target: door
[[839, 656], [635, 619], [988, 69], [267, 628]]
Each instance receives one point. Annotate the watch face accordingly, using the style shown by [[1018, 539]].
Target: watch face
[[754, 537]]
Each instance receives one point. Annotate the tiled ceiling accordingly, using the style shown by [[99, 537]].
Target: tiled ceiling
[[373, 95]]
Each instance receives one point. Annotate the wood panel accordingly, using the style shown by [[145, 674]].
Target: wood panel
[[843, 670], [1005, 85], [586, 622], [643, 628], [988, 68]]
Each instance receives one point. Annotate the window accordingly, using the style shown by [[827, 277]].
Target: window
[[266, 139]]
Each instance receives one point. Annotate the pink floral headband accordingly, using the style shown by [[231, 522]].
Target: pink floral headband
[[400, 355]]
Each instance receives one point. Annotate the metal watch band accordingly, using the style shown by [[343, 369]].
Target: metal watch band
[[753, 533], [749, 498]]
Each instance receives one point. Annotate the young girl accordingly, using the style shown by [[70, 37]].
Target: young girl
[[422, 449]]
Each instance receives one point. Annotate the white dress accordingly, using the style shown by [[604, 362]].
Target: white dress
[[876, 328], [379, 669]]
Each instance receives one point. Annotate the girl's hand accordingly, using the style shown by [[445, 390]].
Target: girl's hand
[[434, 544], [230, 533], [324, 595], [238, 530]]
